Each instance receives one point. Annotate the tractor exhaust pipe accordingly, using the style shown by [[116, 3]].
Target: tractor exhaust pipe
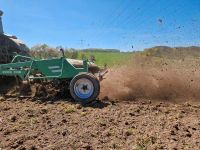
[[1, 24]]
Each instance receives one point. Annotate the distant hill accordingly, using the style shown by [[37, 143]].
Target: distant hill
[[176, 52], [100, 50]]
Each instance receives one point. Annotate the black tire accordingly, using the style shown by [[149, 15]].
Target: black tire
[[92, 82]]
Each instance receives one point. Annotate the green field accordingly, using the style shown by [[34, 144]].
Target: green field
[[109, 58]]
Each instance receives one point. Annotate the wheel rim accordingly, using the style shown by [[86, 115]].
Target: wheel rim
[[83, 88]]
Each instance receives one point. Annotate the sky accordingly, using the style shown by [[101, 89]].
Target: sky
[[121, 24]]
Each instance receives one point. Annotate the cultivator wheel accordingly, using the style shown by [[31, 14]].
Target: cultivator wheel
[[84, 87]]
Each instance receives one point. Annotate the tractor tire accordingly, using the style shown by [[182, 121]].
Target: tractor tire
[[84, 88]]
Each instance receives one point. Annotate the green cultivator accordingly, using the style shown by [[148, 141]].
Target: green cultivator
[[79, 80]]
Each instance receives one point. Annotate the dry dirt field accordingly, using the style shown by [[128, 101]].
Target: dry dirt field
[[26, 124], [138, 109]]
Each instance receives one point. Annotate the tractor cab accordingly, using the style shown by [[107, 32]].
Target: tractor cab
[[10, 45]]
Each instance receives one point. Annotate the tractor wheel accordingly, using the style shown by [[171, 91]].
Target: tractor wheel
[[84, 88]]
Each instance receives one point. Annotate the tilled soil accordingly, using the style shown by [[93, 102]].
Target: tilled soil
[[136, 125]]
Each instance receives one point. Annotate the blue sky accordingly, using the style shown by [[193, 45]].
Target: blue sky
[[122, 24]]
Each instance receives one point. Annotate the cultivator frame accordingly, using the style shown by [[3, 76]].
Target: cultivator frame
[[29, 69]]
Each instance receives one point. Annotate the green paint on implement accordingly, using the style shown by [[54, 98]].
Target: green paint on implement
[[28, 68]]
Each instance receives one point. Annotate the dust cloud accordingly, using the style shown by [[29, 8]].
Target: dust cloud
[[133, 81]]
